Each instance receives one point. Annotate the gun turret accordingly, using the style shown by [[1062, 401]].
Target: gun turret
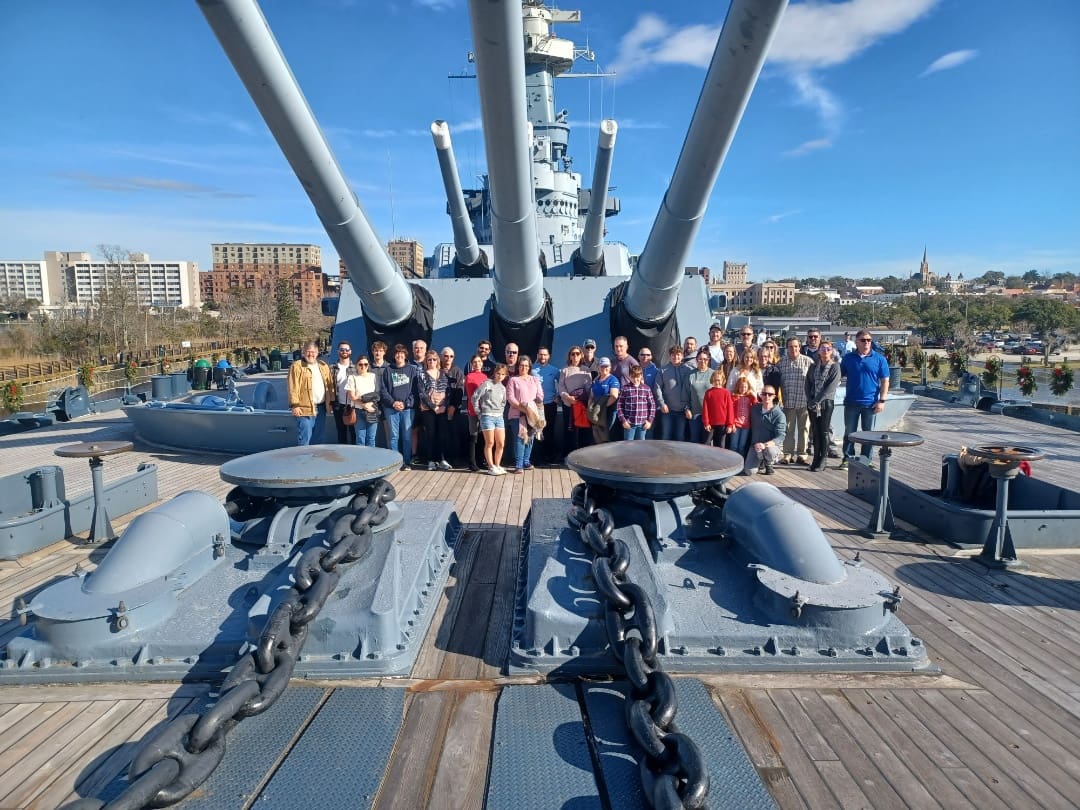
[[740, 51], [500, 71], [589, 258], [470, 260], [240, 27]]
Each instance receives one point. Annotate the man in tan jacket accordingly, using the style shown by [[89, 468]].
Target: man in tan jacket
[[311, 394]]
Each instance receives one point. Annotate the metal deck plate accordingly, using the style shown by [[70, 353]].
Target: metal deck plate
[[340, 759], [253, 748], [540, 757], [734, 783]]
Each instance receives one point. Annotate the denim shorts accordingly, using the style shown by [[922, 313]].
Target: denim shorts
[[491, 422]]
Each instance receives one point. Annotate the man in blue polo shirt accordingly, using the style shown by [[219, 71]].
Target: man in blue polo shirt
[[867, 374]]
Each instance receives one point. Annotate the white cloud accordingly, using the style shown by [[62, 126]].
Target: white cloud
[[774, 218], [813, 36], [819, 35], [806, 147], [949, 60]]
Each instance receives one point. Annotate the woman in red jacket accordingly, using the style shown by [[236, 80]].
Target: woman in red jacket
[[718, 411]]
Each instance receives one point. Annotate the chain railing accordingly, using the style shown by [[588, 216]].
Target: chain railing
[[673, 771], [181, 755]]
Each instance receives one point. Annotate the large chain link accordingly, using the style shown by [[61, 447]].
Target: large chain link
[[673, 771], [182, 754]]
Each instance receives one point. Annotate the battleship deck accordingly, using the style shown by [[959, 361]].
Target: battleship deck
[[998, 727]]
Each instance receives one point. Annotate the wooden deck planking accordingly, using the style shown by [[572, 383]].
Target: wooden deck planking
[[877, 741]]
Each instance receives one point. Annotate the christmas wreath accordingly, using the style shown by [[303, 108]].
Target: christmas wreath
[[13, 396], [933, 365], [1025, 381], [1061, 380], [991, 371]]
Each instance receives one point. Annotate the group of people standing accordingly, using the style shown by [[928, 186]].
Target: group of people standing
[[770, 406]]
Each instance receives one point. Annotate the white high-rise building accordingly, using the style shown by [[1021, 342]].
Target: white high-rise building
[[156, 283], [30, 280]]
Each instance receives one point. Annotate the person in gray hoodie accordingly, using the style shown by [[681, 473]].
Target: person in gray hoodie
[[673, 383]]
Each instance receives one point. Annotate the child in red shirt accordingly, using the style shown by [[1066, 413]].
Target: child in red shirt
[[717, 411], [743, 399]]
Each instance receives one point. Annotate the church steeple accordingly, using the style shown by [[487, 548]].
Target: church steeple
[[926, 278]]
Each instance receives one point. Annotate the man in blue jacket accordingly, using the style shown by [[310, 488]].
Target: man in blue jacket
[[867, 374]]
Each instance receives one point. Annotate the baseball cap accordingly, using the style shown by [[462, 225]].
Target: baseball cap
[[716, 325], [589, 344], [604, 361]]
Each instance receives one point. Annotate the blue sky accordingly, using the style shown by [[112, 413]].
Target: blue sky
[[877, 126]]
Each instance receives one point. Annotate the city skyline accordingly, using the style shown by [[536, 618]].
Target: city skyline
[[875, 129]]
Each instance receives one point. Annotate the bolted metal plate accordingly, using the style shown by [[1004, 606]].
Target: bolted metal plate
[[311, 471], [1006, 455], [886, 438], [654, 468]]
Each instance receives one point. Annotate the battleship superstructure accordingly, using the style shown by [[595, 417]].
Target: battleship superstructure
[[532, 228]]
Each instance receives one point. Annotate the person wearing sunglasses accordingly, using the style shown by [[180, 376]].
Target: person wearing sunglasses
[[767, 428], [746, 341], [867, 374], [342, 370], [572, 387]]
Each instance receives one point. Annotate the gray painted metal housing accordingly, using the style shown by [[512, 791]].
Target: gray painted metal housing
[[251, 47], [36, 511], [737, 60]]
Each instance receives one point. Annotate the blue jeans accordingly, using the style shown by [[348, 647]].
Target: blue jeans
[[740, 440], [522, 449], [400, 423], [857, 417], [365, 430], [634, 432], [697, 430], [310, 428], [672, 426]]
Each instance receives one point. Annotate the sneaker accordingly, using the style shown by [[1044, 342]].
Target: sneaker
[[842, 465], [445, 465], [404, 467], [516, 471], [527, 466], [500, 470], [431, 466], [834, 453], [494, 471], [769, 470], [804, 460]]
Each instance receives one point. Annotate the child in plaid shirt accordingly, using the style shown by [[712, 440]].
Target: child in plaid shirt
[[636, 405]]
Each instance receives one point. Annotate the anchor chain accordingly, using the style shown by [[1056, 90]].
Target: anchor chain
[[673, 771], [182, 754]]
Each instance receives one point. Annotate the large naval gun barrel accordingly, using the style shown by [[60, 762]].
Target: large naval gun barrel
[[247, 40], [469, 259], [737, 60], [500, 72], [589, 260]]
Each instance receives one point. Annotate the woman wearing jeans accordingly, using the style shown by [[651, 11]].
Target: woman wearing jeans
[[522, 390], [364, 383]]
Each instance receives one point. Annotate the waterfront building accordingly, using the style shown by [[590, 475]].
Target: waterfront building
[[258, 266], [29, 280], [155, 283]]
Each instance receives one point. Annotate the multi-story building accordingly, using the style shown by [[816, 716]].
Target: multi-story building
[[250, 265], [30, 281], [408, 253], [156, 283]]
